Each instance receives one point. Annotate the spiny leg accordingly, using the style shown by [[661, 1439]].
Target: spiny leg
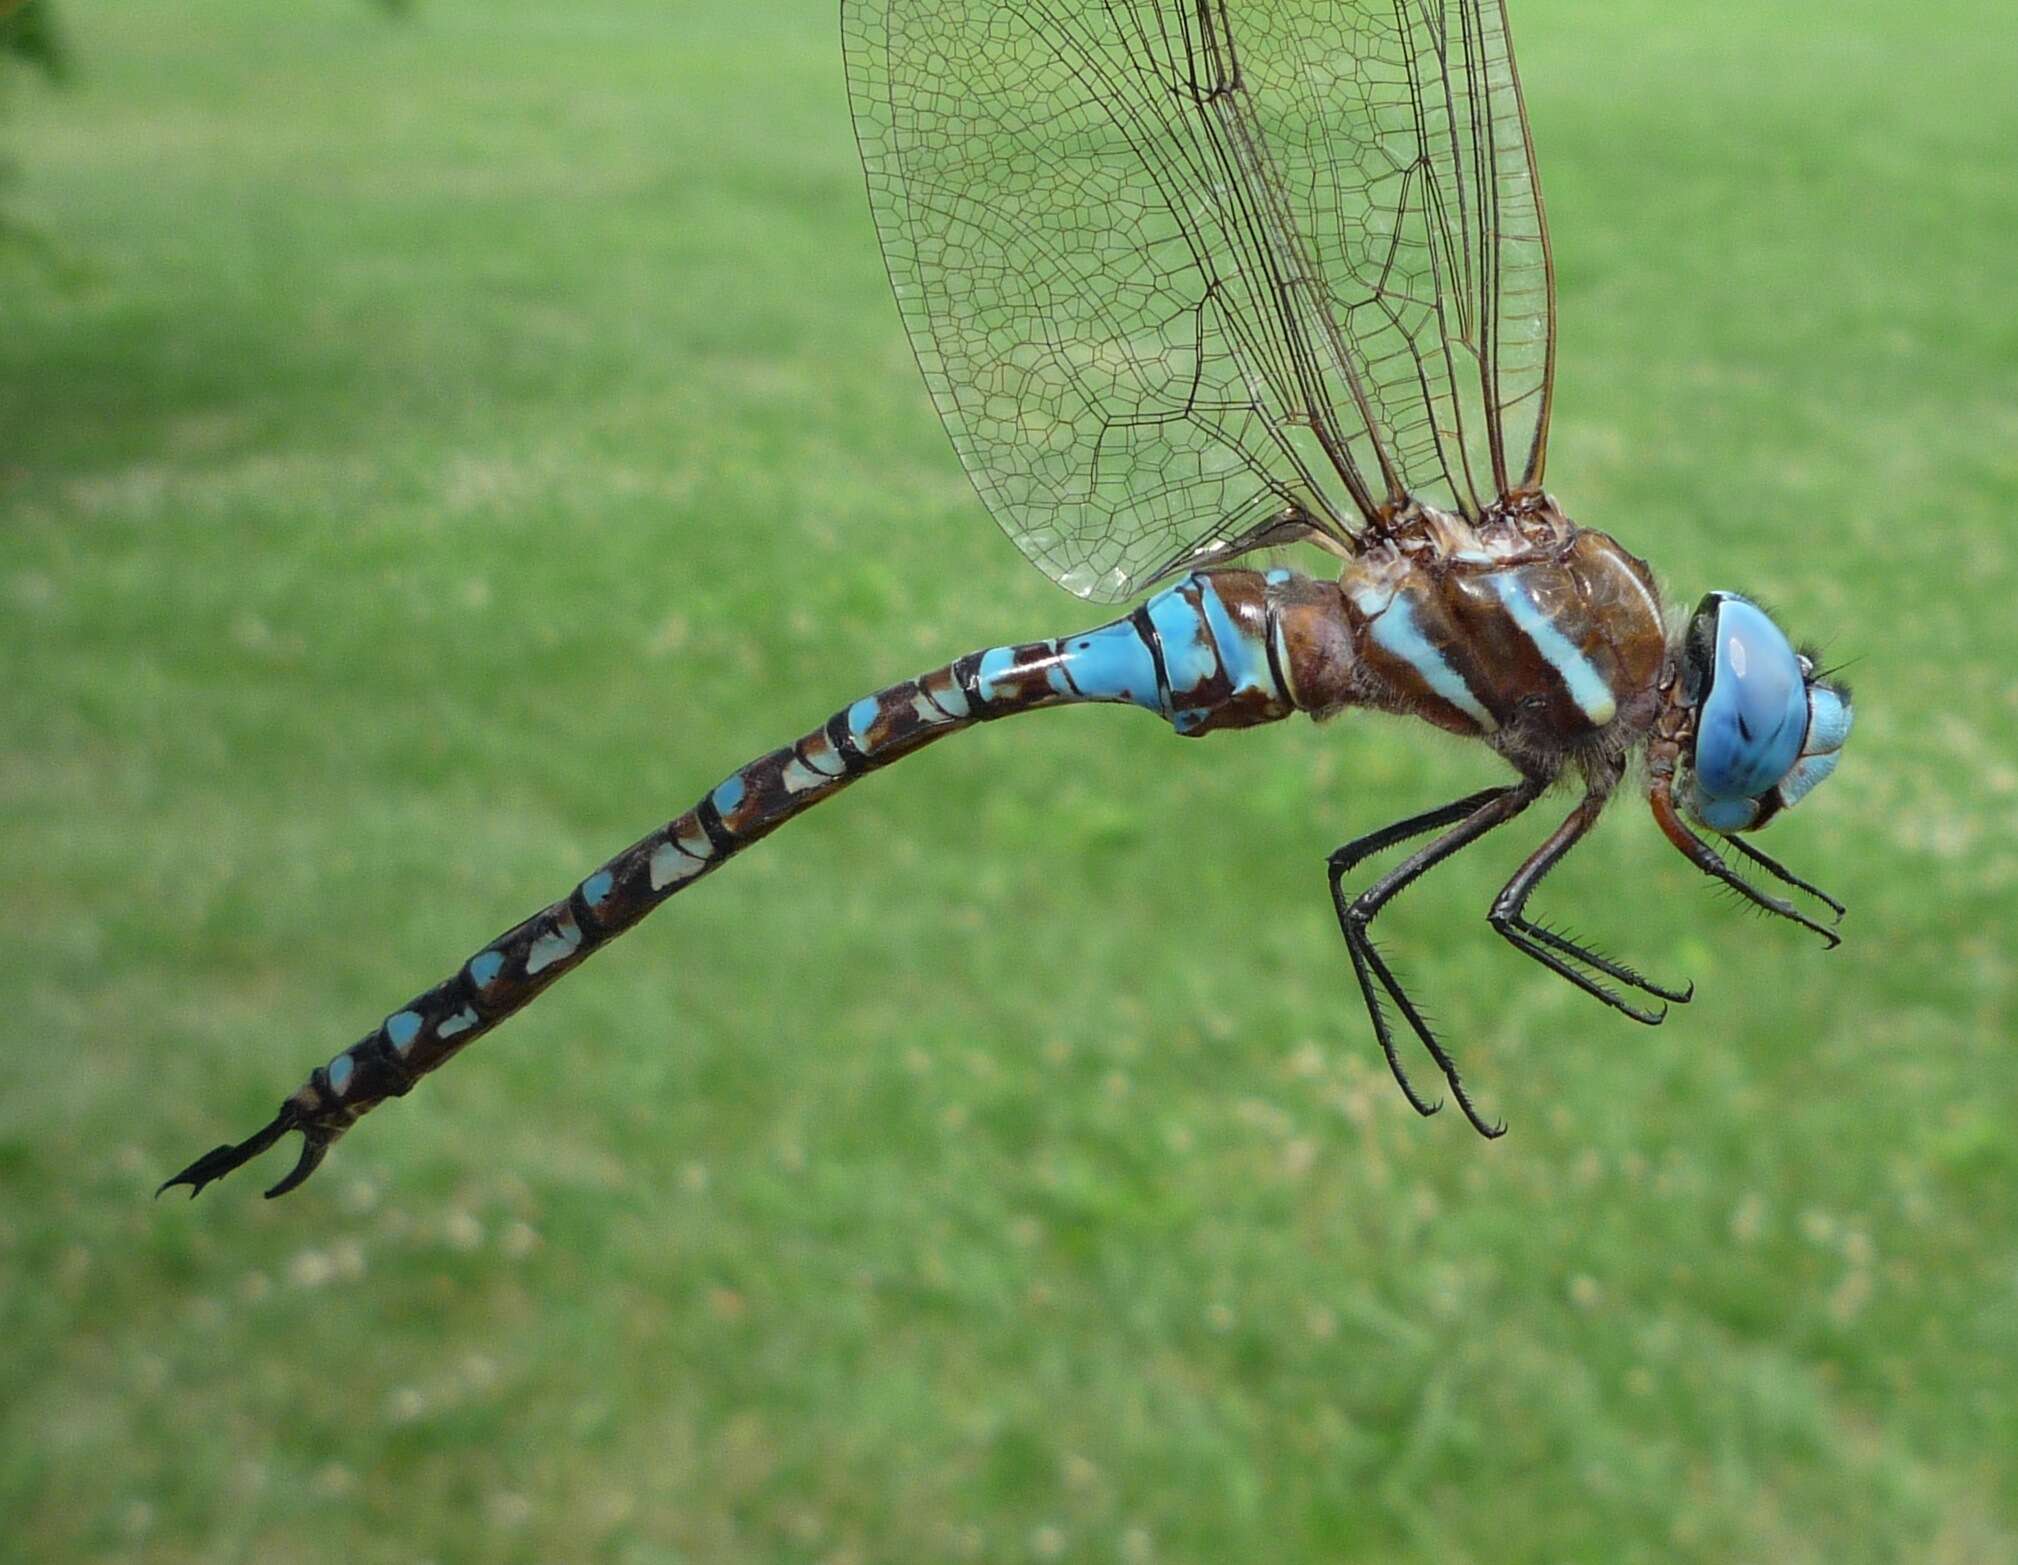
[[1474, 817], [1609, 966], [1365, 957], [1363, 972], [1785, 876], [1365, 965], [1699, 853], [1508, 916], [1343, 859]]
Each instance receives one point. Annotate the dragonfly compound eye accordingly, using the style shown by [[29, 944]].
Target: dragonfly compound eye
[[1752, 717]]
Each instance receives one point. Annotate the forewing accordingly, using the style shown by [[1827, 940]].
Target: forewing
[[1183, 276]]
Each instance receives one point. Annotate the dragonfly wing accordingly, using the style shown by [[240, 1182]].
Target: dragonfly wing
[[1186, 276], [1402, 141]]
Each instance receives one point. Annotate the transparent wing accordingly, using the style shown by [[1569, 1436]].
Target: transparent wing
[[1402, 143], [1184, 276]]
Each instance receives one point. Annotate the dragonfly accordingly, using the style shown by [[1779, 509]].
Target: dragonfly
[[1190, 281]]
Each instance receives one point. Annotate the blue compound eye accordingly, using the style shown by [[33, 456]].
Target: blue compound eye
[[1754, 712]]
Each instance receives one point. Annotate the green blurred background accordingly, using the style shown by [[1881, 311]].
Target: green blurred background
[[433, 450]]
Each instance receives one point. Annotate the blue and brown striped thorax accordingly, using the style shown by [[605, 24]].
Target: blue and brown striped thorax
[[1522, 632]]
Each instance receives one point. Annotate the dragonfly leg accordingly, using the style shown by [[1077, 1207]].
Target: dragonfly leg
[[1787, 877], [1704, 857], [1473, 816], [1545, 946], [1373, 842], [1344, 859]]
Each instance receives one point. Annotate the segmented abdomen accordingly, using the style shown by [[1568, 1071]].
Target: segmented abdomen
[[1210, 652]]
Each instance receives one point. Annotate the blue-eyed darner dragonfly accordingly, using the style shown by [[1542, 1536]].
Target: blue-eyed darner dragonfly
[[1189, 280]]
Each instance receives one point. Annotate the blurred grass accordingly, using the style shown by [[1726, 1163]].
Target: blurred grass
[[449, 446]]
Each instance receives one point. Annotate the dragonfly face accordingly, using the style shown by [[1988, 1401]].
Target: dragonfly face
[[1767, 728]]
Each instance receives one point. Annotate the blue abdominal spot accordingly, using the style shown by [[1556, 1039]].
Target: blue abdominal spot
[[1750, 729], [1113, 663], [1245, 657], [728, 794], [995, 662], [1188, 655]]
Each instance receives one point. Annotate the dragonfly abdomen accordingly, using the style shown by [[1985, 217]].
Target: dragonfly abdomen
[[1219, 649]]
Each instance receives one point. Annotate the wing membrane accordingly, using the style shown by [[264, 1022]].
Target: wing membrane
[[1188, 275]]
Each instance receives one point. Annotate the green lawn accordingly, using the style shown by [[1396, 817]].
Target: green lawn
[[438, 450]]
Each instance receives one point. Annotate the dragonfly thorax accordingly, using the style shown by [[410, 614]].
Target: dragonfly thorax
[[1541, 638]]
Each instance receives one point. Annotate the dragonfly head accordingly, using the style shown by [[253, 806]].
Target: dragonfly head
[[1767, 727]]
